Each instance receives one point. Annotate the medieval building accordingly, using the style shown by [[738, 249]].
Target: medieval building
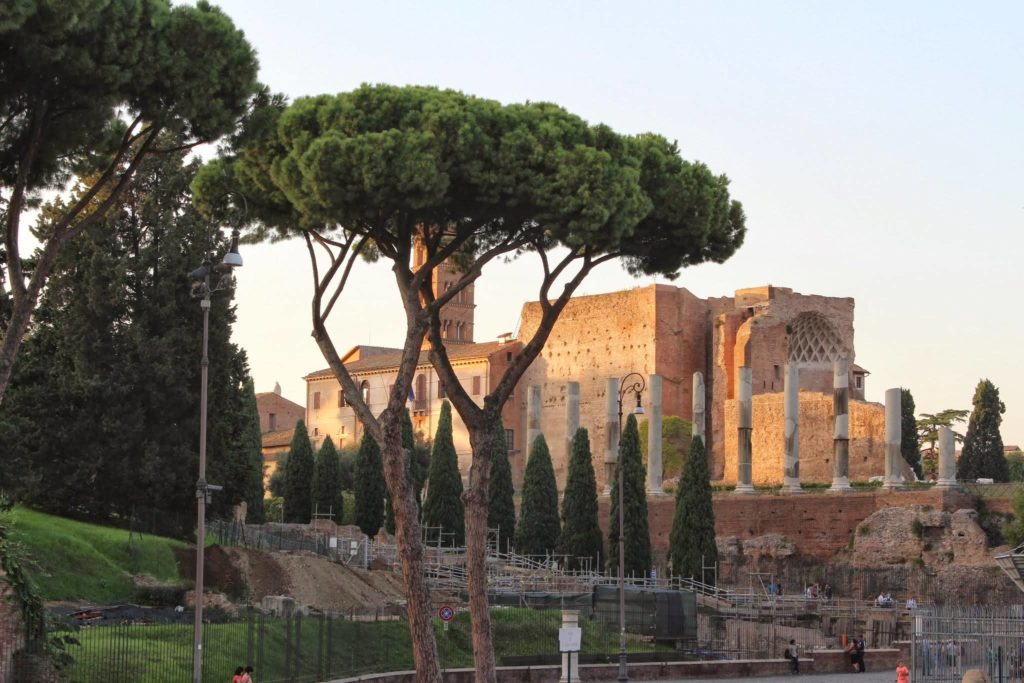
[[655, 330]]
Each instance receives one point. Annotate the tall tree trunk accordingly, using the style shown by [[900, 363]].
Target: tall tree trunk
[[23, 305], [481, 437], [408, 538]]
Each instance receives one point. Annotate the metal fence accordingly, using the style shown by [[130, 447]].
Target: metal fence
[[948, 641], [318, 647]]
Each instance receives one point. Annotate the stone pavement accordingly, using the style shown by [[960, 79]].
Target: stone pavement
[[866, 677]]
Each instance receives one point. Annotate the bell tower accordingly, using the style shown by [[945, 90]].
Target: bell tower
[[457, 314]]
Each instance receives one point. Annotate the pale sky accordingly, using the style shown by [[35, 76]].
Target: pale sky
[[876, 147]]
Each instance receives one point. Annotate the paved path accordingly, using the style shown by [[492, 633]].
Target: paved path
[[867, 677]]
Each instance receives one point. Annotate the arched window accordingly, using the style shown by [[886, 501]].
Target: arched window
[[364, 389], [813, 341]]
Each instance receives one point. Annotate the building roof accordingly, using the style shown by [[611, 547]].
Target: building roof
[[282, 437], [266, 399], [391, 359], [859, 370]]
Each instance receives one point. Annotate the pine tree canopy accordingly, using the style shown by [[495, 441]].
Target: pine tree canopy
[[637, 536], [581, 540], [539, 526], [443, 508], [298, 477], [501, 511], [982, 455], [692, 539], [370, 486]]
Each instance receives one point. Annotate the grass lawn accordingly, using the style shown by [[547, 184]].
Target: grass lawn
[[79, 561]]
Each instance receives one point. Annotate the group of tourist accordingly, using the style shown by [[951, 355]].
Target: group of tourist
[[815, 591], [940, 658]]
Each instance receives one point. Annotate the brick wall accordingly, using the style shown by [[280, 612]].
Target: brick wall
[[819, 524]]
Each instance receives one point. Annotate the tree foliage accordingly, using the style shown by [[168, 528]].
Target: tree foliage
[[368, 172], [676, 434], [910, 447], [102, 417], [443, 507], [637, 535], [91, 89], [928, 425], [691, 544], [298, 477], [539, 526], [251, 444], [1013, 531], [581, 537], [327, 481], [501, 509], [1015, 465], [370, 489], [982, 455]]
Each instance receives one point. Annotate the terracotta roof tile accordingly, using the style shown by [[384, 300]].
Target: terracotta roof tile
[[282, 437], [390, 360]]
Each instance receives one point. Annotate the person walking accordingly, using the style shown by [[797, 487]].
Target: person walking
[[860, 655]]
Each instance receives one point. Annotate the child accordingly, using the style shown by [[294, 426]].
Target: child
[[902, 673]]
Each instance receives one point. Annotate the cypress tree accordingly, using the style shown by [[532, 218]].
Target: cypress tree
[[327, 481], [251, 444], [501, 510], [638, 539], [538, 519], [691, 543], [443, 507], [983, 456], [581, 535], [298, 477], [369, 487], [910, 447]]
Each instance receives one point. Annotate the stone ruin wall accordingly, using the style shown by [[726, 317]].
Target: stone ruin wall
[[751, 329], [595, 338], [867, 439]]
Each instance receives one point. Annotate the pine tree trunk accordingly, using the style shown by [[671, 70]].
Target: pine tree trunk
[[408, 539], [481, 437]]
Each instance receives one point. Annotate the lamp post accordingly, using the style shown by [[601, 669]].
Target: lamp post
[[202, 289], [633, 382]]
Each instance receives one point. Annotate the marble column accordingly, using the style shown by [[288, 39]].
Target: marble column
[[572, 418], [791, 443], [611, 430], [893, 431], [947, 459], [841, 422], [698, 408], [654, 464], [746, 427]]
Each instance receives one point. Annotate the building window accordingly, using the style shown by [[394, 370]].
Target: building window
[[778, 372], [510, 439], [444, 329], [316, 431], [420, 397], [316, 400], [858, 381], [476, 385], [458, 330], [272, 419], [364, 389]]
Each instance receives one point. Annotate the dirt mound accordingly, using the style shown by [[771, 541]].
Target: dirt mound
[[220, 571], [262, 574]]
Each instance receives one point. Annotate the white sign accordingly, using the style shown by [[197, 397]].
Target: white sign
[[569, 639], [334, 542]]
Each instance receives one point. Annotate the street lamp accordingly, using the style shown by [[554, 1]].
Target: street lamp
[[202, 277], [637, 386]]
